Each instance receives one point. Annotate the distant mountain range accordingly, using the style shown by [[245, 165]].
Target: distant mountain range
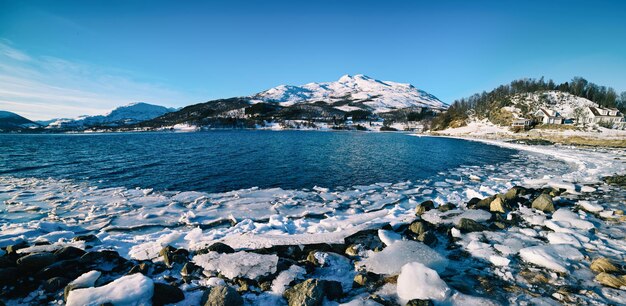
[[359, 97], [356, 96]]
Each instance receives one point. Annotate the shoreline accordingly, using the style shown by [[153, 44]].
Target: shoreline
[[491, 233]]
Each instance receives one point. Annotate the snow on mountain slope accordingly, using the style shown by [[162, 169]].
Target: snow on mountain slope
[[379, 96], [562, 102], [129, 114]]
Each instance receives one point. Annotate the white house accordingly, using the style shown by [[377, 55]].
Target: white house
[[547, 116], [599, 114]]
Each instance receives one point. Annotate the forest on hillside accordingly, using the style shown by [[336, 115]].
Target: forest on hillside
[[483, 104]]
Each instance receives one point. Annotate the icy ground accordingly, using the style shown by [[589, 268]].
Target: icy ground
[[138, 223]]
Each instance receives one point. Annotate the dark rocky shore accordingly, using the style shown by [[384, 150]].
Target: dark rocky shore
[[42, 277]]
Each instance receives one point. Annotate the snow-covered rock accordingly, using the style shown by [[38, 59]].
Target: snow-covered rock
[[380, 96], [87, 279], [417, 281], [132, 290]]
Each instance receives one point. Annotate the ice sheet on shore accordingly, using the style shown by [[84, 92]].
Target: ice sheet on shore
[[553, 257], [239, 264]]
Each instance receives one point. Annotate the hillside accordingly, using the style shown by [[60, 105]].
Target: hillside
[[521, 98], [11, 122]]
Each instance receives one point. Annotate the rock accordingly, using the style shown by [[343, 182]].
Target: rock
[[484, 203], [12, 249], [381, 300], [472, 202], [602, 264], [243, 284], [105, 260], [446, 207], [311, 258], [69, 252], [332, 289], [498, 205], [220, 248], [55, 284], [7, 261], [514, 193], [352, 250], [307, 293], [360, 280], [619, 180], [424, 207], [8, 276], [86, 238], [166, 294], [142, 268], [221, 296], [172, 255], [417, 302], [468, 225], [190, 269], [367, 239], [610, 280], [70, 268], [36, 261], [428, 238], [418, 227], [544, 203]]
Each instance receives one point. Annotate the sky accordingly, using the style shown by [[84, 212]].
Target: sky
[[69, 58]]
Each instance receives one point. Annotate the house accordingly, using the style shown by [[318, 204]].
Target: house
[[547, 116], [600, 114], [521, 123]]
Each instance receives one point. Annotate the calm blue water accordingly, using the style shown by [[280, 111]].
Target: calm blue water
[[218, 161]]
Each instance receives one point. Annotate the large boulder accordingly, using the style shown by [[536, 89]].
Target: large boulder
[[611, 280], [544, 203], [221, 296], [514, 193], [55, 284], [468, 225], [34, 262], [69, 252], [418, 227], [424, 207], [499, 205], [307, 293], [603, 264], [217, 247]]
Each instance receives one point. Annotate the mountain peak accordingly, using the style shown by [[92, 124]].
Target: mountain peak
[[368, 93]]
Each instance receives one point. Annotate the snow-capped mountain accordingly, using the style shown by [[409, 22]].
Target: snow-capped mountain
[[353, 92], [129, 114], [13, 121]]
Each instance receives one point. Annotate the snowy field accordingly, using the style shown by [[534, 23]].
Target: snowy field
[[536, 257]]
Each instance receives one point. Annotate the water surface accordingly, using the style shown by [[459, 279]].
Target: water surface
[[217, 161]]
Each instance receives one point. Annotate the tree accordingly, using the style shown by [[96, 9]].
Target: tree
[[580, 114]]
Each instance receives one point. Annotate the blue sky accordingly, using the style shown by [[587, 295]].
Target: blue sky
[[67, 58]]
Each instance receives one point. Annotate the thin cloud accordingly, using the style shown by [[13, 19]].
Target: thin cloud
[[44, 87]]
